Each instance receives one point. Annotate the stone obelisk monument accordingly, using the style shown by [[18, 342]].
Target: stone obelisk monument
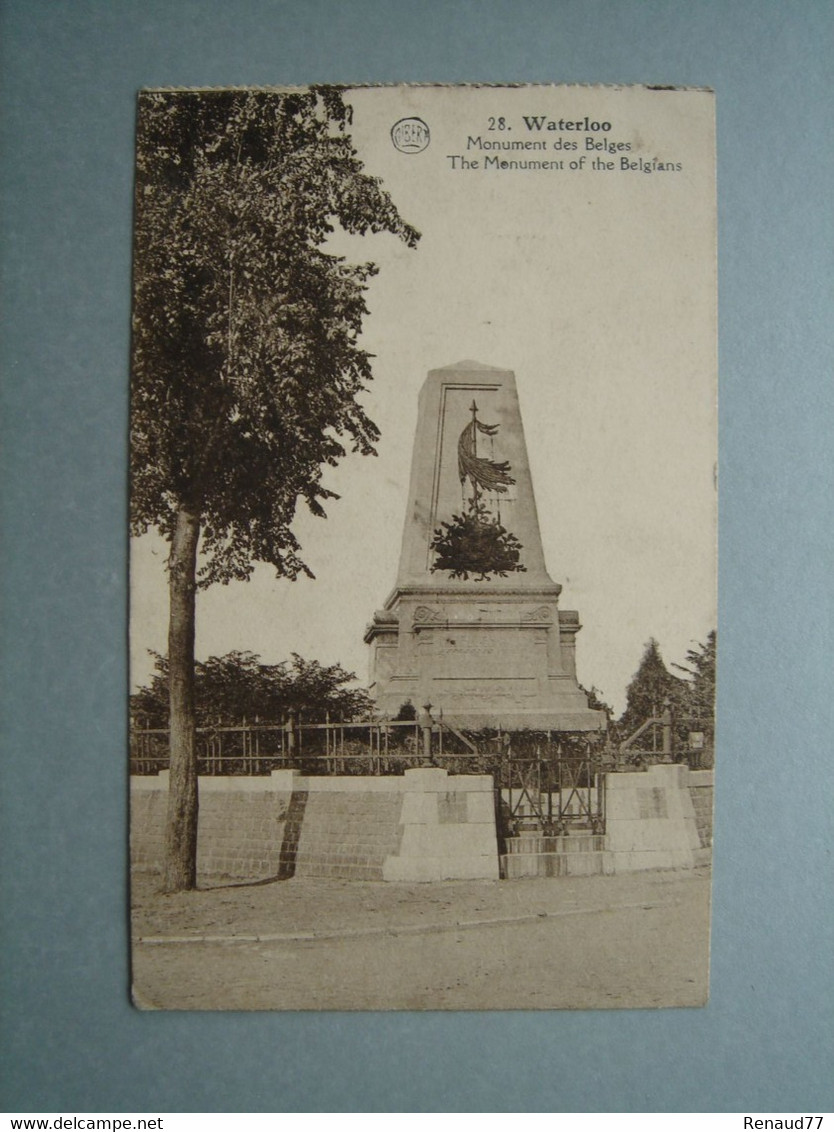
[[473, 624]]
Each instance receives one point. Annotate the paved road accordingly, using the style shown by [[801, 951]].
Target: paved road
[[639, 940]]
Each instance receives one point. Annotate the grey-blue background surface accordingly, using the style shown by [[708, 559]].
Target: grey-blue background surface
[[71, 1041]]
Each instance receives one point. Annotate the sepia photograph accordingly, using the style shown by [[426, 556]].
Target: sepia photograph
[[423, 610], [372, 515]]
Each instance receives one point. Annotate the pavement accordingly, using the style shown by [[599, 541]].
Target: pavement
[[638, 940]]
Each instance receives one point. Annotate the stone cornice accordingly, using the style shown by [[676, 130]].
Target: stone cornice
[[539, 592]]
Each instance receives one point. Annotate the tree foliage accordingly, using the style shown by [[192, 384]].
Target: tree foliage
[[692, 699], [246, 363], [406, 712], [650, 686], [247, 367], [240, 686], [699, 677]]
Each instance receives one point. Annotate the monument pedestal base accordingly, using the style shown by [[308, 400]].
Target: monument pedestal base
[[485, 660]]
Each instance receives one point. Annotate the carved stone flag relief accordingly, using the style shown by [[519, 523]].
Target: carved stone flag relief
[[423, 609]]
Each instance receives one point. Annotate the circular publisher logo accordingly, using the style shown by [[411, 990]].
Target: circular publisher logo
[[410, 135]]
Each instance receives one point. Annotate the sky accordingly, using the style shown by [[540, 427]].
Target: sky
[[596, 286]]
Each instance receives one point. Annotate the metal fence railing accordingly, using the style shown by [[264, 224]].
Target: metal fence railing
[[542, 782], [257, 748]]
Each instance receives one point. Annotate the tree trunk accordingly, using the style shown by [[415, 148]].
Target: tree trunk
[[180, 872]]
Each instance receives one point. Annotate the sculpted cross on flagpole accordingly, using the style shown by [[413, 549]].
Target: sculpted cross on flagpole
[[482, 473]]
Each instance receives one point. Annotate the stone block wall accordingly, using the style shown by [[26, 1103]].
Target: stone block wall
[[701, 793], [448, 828], [148, 802], [345, 833], [424, 825], [650, 820], [241, 825]]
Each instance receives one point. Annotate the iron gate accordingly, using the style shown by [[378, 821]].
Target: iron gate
[[551, 792]]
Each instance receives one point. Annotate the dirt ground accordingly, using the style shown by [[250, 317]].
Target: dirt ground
[[640, 940]]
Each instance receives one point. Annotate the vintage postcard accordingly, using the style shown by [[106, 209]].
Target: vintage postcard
[[423, 504]]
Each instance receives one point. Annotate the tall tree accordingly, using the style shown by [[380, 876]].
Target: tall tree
[[651, 684], [699, 671], [246, 363]]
